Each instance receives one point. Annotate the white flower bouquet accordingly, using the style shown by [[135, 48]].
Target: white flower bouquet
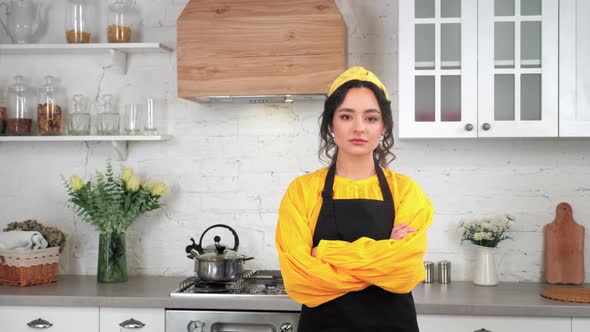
[[486, 232]]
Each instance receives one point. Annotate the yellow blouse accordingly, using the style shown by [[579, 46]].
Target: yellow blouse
[[340, 266]]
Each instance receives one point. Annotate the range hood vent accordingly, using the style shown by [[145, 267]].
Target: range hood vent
[[262, 99], [232, 50]]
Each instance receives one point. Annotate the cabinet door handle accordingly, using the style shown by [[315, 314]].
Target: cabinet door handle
[[485, 126], [39, 324], [469, 127], [482, 330], [131, 324]]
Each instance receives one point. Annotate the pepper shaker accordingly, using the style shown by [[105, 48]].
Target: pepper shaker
[[444, 272], [429, 267]]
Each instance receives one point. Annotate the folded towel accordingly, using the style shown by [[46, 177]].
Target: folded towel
[[22, 240]]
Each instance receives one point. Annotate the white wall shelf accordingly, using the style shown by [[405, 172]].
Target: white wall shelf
[[120, 143], [117, 51]]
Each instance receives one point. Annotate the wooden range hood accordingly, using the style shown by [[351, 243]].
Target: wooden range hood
[[259, 48]]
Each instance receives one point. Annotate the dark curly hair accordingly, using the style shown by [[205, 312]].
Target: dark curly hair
[[328, 150]]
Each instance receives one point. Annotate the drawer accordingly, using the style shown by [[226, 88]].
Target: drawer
[[110, 318], [61, 319], [459, 323]]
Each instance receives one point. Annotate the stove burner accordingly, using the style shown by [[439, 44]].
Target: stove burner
[[265, 282], [204, 287]]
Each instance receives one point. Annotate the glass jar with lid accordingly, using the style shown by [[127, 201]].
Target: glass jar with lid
[[80, 117], [121, 21], [50, 107], [20, 116], [79, 21], [107, 121]]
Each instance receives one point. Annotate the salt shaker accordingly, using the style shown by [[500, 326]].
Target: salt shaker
[[444, 272], [429, 267]]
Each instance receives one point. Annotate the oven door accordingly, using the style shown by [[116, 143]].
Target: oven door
[[234, 321]]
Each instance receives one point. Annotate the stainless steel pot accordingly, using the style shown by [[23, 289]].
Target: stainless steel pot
[[217, 264]]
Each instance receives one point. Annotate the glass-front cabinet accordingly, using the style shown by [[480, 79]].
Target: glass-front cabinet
[[574, 68], [478, 68]]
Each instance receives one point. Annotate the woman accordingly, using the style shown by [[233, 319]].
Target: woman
[[351, 237]]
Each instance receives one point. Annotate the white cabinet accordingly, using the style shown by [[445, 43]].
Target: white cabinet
[[574, 68], [132, 319], [457, 323], [580, 324], [87, 319], [485, 68], [59, 319]]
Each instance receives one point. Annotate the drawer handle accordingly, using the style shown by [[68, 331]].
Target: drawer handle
[[482, 330], [131, 324], [39, 324]]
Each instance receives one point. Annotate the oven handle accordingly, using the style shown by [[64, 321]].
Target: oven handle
[[193, 325]]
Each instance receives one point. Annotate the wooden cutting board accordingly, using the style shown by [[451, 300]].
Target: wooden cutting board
[[564, 248], [567, 294]]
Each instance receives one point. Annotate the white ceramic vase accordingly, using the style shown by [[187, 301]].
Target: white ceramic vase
[[485, 267]]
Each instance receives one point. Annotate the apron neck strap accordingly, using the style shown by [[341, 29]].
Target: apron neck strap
[[328, 192]]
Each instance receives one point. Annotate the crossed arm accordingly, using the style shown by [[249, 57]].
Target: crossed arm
[[314, 276]]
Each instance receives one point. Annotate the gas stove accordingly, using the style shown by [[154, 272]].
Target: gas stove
[[259, 283]]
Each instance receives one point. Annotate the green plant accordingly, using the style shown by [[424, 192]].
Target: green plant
[[54, 236], [486, 232], [112, 203]]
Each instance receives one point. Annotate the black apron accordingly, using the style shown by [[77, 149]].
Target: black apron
[[373, 308]]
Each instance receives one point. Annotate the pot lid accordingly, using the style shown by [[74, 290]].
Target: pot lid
[[221, 253]]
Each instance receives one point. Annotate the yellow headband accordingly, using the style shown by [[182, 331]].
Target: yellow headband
[[357, 73]]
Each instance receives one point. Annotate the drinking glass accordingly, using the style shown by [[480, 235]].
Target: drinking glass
[[133, 119]]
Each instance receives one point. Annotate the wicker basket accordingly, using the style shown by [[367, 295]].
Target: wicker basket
[[32, 267]]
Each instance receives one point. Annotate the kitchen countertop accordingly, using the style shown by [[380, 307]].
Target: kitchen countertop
[[457, 298]]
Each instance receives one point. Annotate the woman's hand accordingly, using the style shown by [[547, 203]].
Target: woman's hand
[[399, 232], [313, 251]]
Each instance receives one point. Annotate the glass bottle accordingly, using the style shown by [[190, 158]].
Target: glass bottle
[[20, 117], [50, 108], [120, 21], [78, 21], [3, 113], [80, 118], [107, 122]]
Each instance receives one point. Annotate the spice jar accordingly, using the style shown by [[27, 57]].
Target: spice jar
[[20, 118], [50, 108], [3, 113], [80, 118], [120, 21], [78, 21], [107, 121]]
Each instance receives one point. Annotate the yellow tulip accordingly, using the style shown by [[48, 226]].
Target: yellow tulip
[[133, 183], [127, 174], [159, 188], [76, 183]]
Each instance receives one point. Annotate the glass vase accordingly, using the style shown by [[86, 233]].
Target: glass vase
[[112, 258], [485, 267]]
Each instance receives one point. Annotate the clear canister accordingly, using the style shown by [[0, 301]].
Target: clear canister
[[50, 110], [444, 272], [80, 117], [19, 120], [79, 21], [121, 21]]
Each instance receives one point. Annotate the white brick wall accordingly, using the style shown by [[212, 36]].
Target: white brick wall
[[231, 164]]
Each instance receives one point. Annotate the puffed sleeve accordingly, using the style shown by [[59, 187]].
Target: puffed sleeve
[[396, 266], [308, 280]]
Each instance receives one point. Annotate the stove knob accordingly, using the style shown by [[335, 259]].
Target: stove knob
[[286, 327]]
